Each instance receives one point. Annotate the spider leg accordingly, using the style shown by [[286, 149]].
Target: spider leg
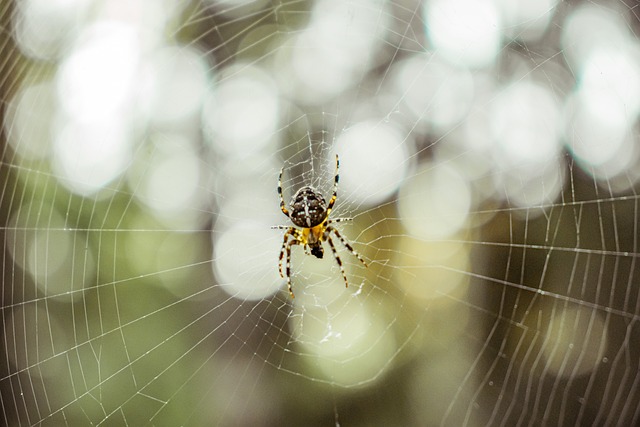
[[334, 196], [282, 204], [337, 257], [284, 244], [346, 244], [334, 220], [288, 277], [291, 237]]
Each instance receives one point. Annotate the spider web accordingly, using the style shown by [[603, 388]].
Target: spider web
[[489, 165]]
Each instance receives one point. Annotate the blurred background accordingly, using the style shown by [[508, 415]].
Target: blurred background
[[489, 161]]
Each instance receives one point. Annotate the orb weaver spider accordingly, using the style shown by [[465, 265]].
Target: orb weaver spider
[[310, 216]]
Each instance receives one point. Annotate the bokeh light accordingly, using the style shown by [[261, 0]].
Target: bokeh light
[[489, 164], [526, 20], [44, 29], [59, 260], [333, 51], [89, 156], [171, 177], [577, 341], [466, 32], [98, 78], [241, 114], [177, 83], [349, 346], [378, 159], [434, 91], [239, 262], [30, 120], [435, 202]]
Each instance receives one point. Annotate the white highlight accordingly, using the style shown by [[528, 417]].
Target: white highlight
[[89, 156], [171, 178], [526, 19], [177, 82], [603, 145], [525, 123], [30, 120], [374, 161], [610, 82], [237, 8], [435, 92], [96, 88], [345, 341], [590, 28], [97, 79], [435, 202], [466, 32], [245, 260], [337, 47], [532, 185], [242, 113], [45, 28], [600, 116]]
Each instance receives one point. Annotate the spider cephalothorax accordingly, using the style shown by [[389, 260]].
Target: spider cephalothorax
[[310, 212]]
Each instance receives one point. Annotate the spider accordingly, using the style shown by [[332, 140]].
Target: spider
[[310, 216]]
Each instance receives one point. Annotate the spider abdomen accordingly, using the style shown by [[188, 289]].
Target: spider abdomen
[[308, 208]]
